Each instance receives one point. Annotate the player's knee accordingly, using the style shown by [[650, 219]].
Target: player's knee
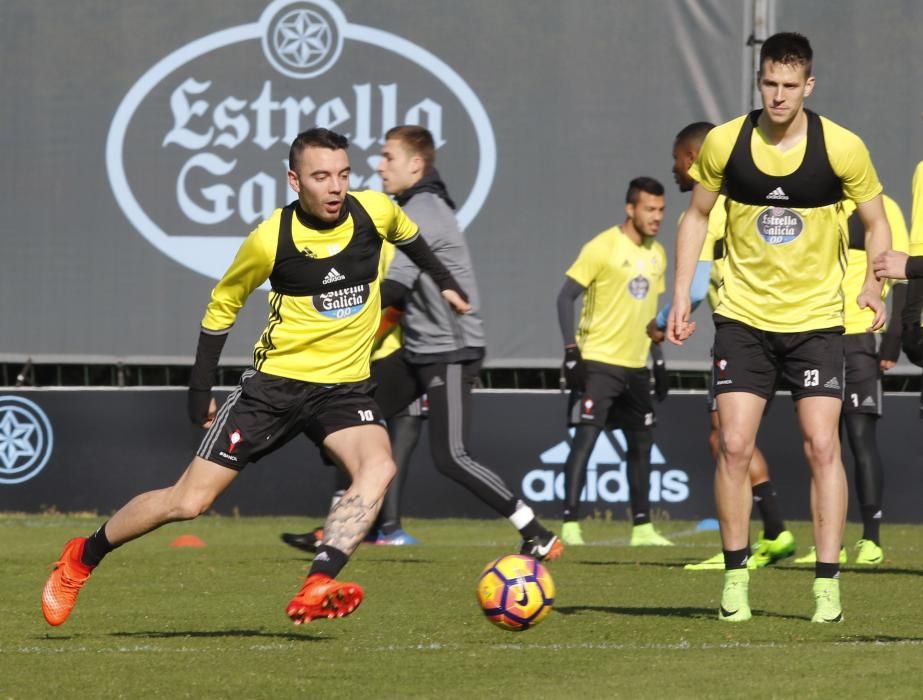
[[822, 451], [190, 505], [736, 449]]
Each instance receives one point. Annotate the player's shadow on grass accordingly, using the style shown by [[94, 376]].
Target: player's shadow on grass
[[882, 570], [689, 612], [695, 613], [389, 560], [393, 560], [661, 564], [243, 634]]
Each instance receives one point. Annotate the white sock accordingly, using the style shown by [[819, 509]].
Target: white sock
[[522, 517]]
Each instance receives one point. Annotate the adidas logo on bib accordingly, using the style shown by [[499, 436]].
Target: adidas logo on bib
[[777, 193], [333, 276]]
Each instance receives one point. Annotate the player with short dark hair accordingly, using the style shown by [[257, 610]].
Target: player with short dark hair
[[310, 373], [786, 172], [620, 272]]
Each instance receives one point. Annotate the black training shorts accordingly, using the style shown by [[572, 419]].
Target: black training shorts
[[615, 397], [809, 363], [264, 412], [863, 374]]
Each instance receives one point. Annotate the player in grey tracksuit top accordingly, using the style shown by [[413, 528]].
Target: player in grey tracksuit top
[[442, 351]]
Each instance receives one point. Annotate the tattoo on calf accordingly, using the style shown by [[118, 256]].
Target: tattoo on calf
[[349, 521]]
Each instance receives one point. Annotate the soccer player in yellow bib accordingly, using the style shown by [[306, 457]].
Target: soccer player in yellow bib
[[785, 172], [309, 375], [867, 356], [775, 541], [620, 272], [404, 431]]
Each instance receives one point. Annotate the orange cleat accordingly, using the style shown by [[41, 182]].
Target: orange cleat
[[65, 582], [322, 596]]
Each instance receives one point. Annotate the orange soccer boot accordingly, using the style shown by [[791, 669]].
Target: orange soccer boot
[[322, 596], [65, 582]]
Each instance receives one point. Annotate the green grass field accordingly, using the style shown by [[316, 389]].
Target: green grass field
[[155, 621]]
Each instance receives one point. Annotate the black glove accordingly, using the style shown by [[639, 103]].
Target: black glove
[[661, 378], [573, 369], [203, 375]]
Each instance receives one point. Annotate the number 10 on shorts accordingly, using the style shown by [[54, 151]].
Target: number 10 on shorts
[[366, 414]]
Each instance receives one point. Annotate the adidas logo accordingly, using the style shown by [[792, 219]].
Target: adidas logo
[[435, 382], [777, 193], [869, 401], [322, 556], [333, 276], [832, 384]]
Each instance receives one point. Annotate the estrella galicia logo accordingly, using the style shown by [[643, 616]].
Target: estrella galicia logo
[[26, 439], [197, 150], [639, 286], [341, 303], [778, 225]]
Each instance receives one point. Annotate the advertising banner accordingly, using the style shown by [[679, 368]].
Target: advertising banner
[[94, 450]]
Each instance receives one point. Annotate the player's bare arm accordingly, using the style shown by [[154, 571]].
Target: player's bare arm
[[689, 240], [877, 242]]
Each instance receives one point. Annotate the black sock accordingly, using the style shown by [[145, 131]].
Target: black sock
[[736, 558], [822, 570], [328, 560], [534, 530], [871, 524], [97, 546], [640, 443], [765, 497]]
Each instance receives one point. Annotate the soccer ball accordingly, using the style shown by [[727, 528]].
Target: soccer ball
[[515, 592]]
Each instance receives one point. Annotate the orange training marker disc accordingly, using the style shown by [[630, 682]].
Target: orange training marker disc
[[187, 541]]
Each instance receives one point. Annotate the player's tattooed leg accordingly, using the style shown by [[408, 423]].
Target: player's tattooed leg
[[349, 521]]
